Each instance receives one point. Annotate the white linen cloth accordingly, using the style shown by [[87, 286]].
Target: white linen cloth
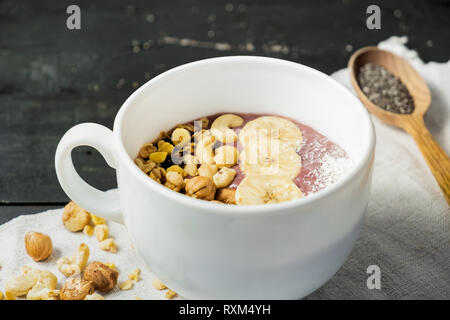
[[13, 254], [407, 227]]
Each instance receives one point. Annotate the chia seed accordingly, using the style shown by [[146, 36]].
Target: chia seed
[[384, 89]]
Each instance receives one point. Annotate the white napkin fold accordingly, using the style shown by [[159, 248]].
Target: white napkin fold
[[65, 243]]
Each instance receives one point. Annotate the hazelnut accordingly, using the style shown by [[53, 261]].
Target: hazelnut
[[38, 245], [103, 278], [226, 195], [76, 289], [74, 218], [201, 188]]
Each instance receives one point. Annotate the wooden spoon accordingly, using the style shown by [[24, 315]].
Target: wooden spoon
[[436, 158]]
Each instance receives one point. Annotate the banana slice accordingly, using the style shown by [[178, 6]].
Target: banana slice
[[267, 157], [271, 128], [260, 189], [220, 128]]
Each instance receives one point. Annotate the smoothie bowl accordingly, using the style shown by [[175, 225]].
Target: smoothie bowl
[[278, 238]]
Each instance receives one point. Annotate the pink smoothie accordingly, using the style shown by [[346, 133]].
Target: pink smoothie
[[323, 161]]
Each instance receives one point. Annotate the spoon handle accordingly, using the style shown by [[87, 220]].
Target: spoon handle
[[436, 158]]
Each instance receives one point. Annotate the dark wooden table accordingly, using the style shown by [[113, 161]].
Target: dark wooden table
[[52, 78]]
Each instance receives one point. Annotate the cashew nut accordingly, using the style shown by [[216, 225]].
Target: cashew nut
[[190, 159], [207, 170], [75, 264], [75, 218], [180, 137], [226, 156], [220, 128], [36, 284], [204, 149], [191, 170], [45, 287], [20, 285], [224, 177], [200, 134]]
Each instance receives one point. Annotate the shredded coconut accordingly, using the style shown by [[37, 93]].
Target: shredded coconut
[[331, 169]]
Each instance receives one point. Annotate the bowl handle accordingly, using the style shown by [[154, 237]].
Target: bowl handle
[[105, 204]]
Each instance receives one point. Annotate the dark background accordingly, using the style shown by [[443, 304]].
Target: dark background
[[52, 78]]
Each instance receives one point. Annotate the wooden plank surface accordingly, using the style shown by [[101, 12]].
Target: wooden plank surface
[[52, 78], [9, 212]]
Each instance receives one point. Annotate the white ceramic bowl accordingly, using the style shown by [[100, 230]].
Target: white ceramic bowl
[[207, 250]]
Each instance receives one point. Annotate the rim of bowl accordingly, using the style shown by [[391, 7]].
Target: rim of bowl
[[256, 210]]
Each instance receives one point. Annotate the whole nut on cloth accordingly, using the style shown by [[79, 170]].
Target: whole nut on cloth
[[102, 277], [65, 243], [74, 218], [201, 188], [75, 264], [38, 245], [76, 289]]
